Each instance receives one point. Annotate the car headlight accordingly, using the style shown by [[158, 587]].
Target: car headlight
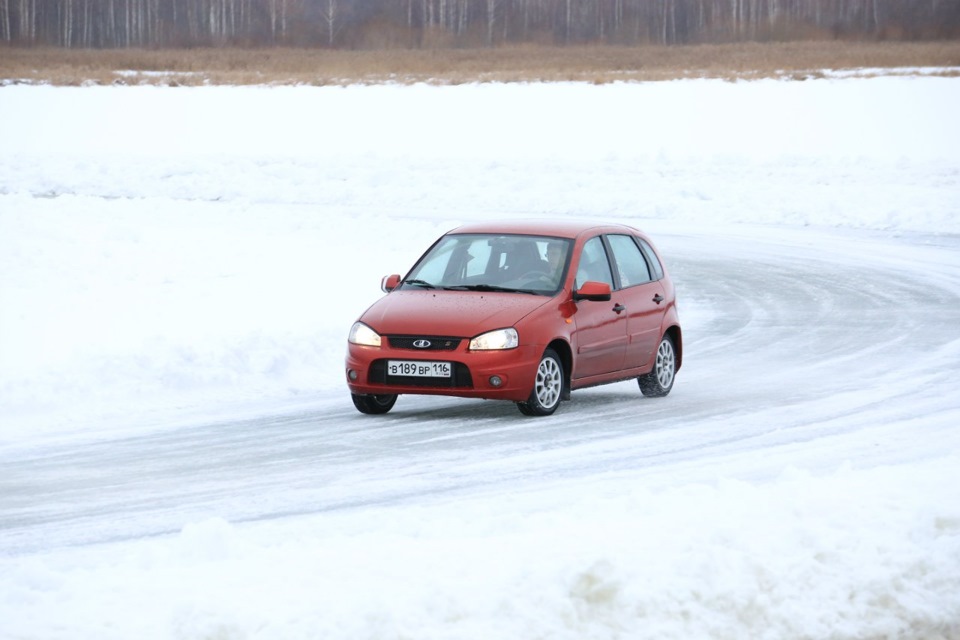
[[362, 334], [499, 339]]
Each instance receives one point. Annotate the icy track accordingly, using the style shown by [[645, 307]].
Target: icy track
[[179, 457]]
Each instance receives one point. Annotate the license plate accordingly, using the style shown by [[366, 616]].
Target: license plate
[[418, 369]]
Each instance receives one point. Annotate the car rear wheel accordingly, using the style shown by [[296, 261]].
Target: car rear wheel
[[547, 388], [659, 381], [374, 404]]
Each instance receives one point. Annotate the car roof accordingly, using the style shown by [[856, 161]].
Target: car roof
[[543, 227]]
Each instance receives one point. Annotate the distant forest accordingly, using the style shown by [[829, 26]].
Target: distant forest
[[378, 24]]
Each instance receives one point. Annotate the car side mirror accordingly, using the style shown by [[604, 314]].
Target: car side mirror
[[593, 291], [389, 283]]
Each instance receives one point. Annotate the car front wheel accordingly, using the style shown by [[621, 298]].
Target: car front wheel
[[547, 388], [659, 381], [374, 404]]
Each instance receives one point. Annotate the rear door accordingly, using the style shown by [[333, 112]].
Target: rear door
[[642, 295]]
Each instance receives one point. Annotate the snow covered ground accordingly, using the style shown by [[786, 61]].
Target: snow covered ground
[[180, 457]]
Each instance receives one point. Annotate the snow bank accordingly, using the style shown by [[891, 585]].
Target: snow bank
[[849, 554]]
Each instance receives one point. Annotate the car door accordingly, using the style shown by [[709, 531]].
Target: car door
[[643, 297], [601, 330]]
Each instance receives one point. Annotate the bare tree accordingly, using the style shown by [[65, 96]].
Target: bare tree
[[330, 15], [491, 19], [5, 33]]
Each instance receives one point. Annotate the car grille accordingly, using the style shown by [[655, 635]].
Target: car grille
[[461, 377], [437, 343]]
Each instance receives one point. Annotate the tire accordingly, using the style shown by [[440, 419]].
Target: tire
[[659, 381], [374, 405], [547, 387]]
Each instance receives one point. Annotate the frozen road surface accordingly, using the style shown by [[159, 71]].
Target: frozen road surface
[[180, 457]]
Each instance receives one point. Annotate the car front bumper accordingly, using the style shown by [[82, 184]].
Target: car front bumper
[[473, 373]]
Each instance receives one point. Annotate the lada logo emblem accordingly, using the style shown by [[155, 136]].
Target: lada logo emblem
[[421, 344]]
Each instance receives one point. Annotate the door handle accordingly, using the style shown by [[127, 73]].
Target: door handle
[[658, 298], [619, 308]]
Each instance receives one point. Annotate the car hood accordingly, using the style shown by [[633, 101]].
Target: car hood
[[463, 314]]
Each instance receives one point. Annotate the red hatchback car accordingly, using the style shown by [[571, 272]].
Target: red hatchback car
[[521, 311]]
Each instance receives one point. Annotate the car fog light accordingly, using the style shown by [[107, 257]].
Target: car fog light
[[496, 381], [353, 375]]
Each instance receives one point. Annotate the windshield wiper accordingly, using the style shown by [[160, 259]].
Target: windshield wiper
[[489, 287], [420, 283]]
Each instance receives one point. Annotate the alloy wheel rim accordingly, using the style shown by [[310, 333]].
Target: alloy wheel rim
[[549, 382], [665, 364]]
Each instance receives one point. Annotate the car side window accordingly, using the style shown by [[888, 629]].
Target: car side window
[[652, 259], [631, 266], [594, 265]]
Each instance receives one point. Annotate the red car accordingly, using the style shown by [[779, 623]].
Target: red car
[[521, 311]]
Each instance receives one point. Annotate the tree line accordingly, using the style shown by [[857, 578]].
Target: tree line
[[452, 23]]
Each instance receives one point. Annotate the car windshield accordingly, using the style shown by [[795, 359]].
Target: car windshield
[[493, 262]]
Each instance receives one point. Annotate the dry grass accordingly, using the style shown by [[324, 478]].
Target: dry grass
[[455, 66]]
